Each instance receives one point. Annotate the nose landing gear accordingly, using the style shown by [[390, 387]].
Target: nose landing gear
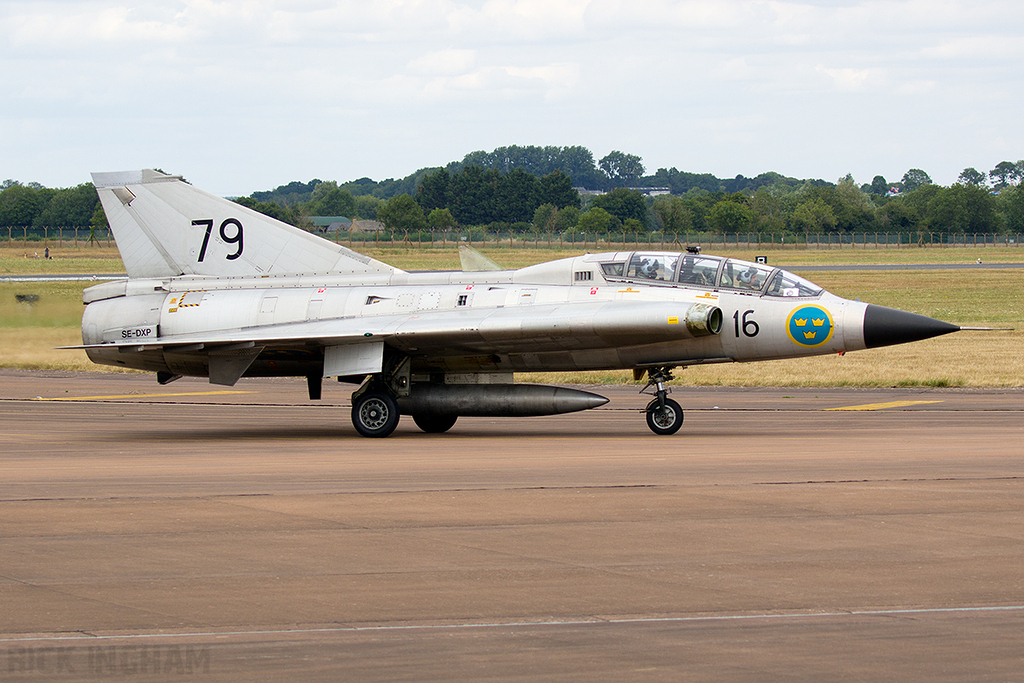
[[664, 416]]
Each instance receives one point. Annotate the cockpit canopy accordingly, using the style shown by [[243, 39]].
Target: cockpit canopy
[[709, 272]]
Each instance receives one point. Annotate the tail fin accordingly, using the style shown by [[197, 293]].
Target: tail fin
[[165, 227], [475, 262]]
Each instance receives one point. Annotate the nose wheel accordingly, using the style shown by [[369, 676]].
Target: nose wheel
[[664, 416]]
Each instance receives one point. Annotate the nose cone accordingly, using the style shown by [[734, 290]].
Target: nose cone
[[886, 326]]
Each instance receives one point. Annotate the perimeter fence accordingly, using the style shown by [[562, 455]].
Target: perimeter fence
[[608, 241]]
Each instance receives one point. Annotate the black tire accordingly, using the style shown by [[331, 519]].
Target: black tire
[[434, 423], [375, 414], [664, 421]]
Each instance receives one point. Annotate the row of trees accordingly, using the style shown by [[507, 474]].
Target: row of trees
[[475, 191], [465, 193], [616, 169], [32, 205], [478, 196], [845, 207], [525, 188], [1005, 173]]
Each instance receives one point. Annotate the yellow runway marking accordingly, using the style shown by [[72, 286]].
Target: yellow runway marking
[[100, 398], [881, 406]]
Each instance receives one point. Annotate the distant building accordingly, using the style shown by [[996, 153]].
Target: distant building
[[332, 224], [329, 224], [646, 191], [367, 226]]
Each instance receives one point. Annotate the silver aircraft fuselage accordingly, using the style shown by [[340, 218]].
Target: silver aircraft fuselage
[[562, 315]]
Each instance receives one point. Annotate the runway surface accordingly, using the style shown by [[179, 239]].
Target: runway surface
[[783, 534]]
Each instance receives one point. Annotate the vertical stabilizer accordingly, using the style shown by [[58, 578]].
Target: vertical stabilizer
[[475, 262], [165, 227]]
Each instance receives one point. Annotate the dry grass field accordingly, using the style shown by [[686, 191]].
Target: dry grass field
[[969, 296]]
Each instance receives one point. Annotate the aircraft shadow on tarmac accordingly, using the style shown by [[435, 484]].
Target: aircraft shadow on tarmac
[[514, 429]]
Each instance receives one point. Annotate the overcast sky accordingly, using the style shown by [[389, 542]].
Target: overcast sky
[[245, 95]]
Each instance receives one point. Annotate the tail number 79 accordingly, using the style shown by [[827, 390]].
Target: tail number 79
[[230, 233], [745, 324]]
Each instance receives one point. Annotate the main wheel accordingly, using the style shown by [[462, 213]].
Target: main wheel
[[665, 420], [375, 414], [434, 423]]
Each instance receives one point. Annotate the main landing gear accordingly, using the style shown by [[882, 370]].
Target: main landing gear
[[375, 411], [375, 414], [664, 416]]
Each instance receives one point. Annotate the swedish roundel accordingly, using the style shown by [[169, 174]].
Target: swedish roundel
[[810, 326]]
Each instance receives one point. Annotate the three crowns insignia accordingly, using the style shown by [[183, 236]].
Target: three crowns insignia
[[809, 336]]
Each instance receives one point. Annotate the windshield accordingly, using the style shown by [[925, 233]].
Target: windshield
[[787, 284]]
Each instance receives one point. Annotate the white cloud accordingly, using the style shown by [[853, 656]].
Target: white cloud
[[504, 83], [847, 80], [444, 62], [528, 21], [88, 26], [737, 69], [972, 48], [383, 87], [661, 15]]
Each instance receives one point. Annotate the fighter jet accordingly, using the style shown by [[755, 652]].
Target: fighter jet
[[217, 290]]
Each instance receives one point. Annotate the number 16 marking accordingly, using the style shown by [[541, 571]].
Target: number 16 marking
[[750, 328]]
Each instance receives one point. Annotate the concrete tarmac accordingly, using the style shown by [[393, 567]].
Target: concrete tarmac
[[148, 532]]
